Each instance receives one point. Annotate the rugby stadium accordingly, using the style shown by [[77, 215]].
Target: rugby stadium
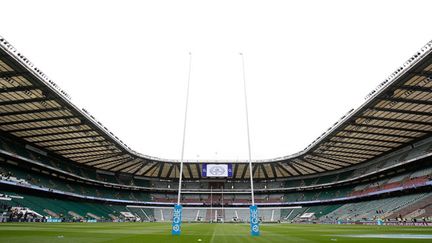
[[65, 177]]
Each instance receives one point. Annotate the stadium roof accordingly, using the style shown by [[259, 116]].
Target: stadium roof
[[35, 109]]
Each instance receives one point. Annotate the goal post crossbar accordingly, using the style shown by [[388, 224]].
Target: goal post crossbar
[[210, 208]]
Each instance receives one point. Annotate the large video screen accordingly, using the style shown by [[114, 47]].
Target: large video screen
[[217, 170]]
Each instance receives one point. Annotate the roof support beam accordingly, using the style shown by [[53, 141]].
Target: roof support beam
[[122, 165], [347, 154], [10, 74], [356, 151], [321, 164], [92, 145], [70, 125], [143, 163], [273, 170], [314, 160], [295, 169], [92, 149], [306, 165], [354, 158], [264, 171], [101, 165], [278, 169], [160, 170], [101, 157], [65, 139], [189, 170], [39, 120], [403, 100], [423, 73], [86, 156], [176, 169], [363, 144], [355, 148], [370, 139], [150, 168], [14, 102], [411, 112], [281, 167], [235, 169], [331, 166], [395, 120], [301, 167], [199, 171], [170, 171], [108, 162], [389, 128], [414, 88], [379, 134], [254, 169], [330, 158], [244, 172], [19, 89], [95, 148], [75, 143], [131, 168], [102, 160], [31, 112], [56, 133]]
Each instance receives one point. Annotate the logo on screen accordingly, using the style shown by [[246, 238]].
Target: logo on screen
[[217, 170]]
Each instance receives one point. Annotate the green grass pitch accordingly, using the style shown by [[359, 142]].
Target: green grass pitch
[[202, 233]]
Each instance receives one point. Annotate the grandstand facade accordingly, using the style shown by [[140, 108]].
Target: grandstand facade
[[57, 162]]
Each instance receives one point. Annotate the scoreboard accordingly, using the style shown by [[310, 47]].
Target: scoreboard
[[217, 170]]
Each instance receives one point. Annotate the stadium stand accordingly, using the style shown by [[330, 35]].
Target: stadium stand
[[58, 163]]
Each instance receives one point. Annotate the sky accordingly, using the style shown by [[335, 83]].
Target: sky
[[307, 63]]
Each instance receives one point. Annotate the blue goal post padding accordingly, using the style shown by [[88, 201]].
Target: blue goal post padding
[[177, 217], [254, 220]]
